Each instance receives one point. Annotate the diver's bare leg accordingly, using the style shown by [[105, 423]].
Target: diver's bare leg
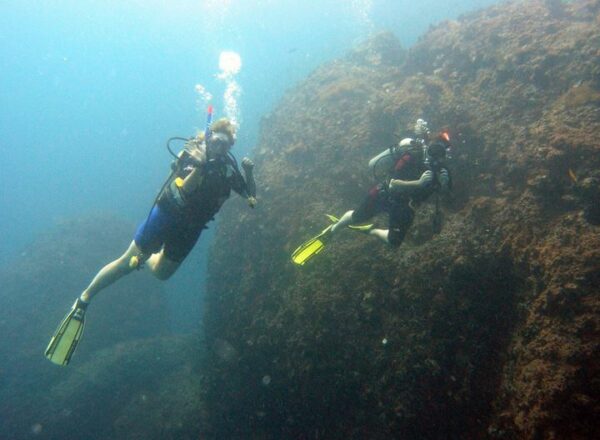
[[111, 272], [345, 220], [161, 267], [382, 234]]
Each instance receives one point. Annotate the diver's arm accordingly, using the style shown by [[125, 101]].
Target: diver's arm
[[245, 185], [398, 185], [248, 167], [193, 180]]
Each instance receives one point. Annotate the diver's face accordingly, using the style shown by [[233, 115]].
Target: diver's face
[[219, 144]]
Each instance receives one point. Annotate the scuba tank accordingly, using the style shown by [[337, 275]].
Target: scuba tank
[[382, 165]]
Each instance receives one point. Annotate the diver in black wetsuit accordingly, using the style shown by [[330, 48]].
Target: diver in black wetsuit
[[417, 169], [202, 178]]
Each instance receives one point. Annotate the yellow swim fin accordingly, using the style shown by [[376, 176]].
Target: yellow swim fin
[[361, 228], [312, 247], [69, 332]]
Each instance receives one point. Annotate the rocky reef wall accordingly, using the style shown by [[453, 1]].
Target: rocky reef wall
[[38, 287], [488, 329]]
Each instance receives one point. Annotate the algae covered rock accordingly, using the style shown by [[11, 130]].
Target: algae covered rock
[[38, 288], [489, 328], [150, 389]]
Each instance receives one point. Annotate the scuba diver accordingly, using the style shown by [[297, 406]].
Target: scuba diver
[[203, 175], [412, 171]]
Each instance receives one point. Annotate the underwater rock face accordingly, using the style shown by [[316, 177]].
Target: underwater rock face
[[141, 389], [490, 329], [38, 289]]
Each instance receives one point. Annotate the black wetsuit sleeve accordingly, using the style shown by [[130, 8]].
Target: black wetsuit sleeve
[[250, 183], [238, 184]]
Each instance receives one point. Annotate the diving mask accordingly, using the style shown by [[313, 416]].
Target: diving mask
[[219, 143]]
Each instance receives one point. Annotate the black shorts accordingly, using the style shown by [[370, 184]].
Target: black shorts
[[400, 214]]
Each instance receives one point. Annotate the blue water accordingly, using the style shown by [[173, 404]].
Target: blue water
[[90, 91]]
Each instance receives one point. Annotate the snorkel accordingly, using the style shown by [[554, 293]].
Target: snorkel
[[208, 131], [209, 115]]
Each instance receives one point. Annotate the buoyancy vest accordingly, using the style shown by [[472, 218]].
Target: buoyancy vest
[[410, 165], [219, 176]]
